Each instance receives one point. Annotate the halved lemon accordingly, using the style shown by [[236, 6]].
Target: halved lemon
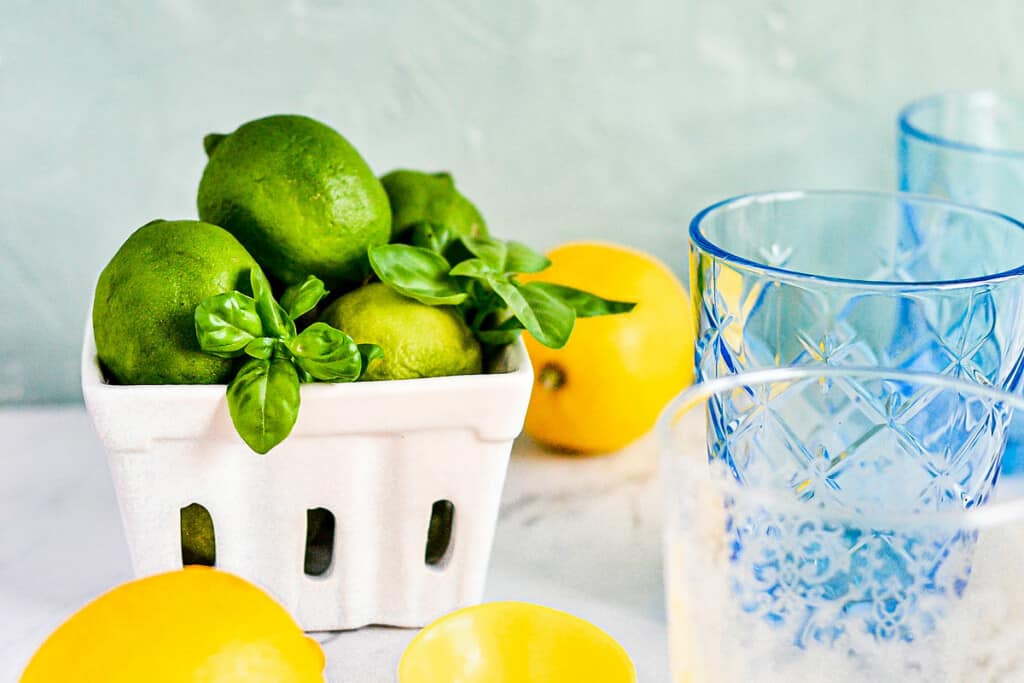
[[514, 642]]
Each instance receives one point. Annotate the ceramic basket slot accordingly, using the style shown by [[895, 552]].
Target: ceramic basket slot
[[438, 550], [319, 555], [377, 455]]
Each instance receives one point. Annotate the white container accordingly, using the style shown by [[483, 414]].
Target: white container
[[376, 454]]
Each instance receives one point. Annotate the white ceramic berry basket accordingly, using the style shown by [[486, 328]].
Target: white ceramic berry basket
[[377, 455]]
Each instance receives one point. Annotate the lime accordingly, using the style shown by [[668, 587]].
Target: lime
[[198, 543], [298, 196], [418, 340], [146, 297], [416, 196]]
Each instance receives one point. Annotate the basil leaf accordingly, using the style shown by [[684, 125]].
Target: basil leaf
[[482, 299], [457, 252], [303, 297], [549, 320], [326, 353], [474, 268], [432, 236], [523, 259], [263, 347], [505, 333], [226, 323], [585, 304], [417, 273], [263, 400], [489, 250], [498, 337], [369, 353], [276, 322]]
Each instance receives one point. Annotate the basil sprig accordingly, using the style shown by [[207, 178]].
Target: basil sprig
[[478, 274], [302, 298], [417, 273], [263, 398]]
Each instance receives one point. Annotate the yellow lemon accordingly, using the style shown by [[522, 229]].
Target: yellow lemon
[[607, 386], [514, 642], [194, 625]]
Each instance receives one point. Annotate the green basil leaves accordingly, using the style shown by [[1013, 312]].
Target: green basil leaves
[[522, 259], [263, 398], [303, 297], [478, 274], [438, 267], [417, 273], [327, 354], [585, 304], [227, 323]]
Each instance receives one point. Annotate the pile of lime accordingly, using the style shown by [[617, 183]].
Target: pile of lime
[[304, 266]]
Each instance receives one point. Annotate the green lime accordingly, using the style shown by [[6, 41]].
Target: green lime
[[146, 297], [416, 196], [418, 340], [298, 196], [198, 543]]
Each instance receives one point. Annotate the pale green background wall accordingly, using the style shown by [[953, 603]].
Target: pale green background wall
[[563, 120]]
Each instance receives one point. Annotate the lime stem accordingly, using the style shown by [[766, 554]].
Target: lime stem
[[211, 141], [551, 377]]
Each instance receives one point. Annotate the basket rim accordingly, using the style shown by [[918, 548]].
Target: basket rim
[[519, 361]]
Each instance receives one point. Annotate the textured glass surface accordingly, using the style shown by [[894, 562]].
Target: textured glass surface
[[858, 279], [849, 525], [967, 147]]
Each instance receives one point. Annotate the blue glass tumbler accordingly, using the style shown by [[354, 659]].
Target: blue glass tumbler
[[967, 147], [861, 279]]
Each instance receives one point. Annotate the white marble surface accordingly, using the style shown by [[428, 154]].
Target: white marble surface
[[576, 534]]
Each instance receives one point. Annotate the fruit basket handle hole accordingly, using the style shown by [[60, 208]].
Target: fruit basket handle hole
[[319, 541], [198, 539], [439, 534]]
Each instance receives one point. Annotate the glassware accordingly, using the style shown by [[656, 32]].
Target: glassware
[[967, 147], [842, 524], [858, 279]]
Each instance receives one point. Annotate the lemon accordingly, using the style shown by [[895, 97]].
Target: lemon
[[418, 340], [514, 642], [416, 196], [607, 385], [145, 301], [298, 196], [196, 624]]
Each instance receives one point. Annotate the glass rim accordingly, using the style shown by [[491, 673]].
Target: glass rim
[[907, 127], [990, 514], [700, 240]]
